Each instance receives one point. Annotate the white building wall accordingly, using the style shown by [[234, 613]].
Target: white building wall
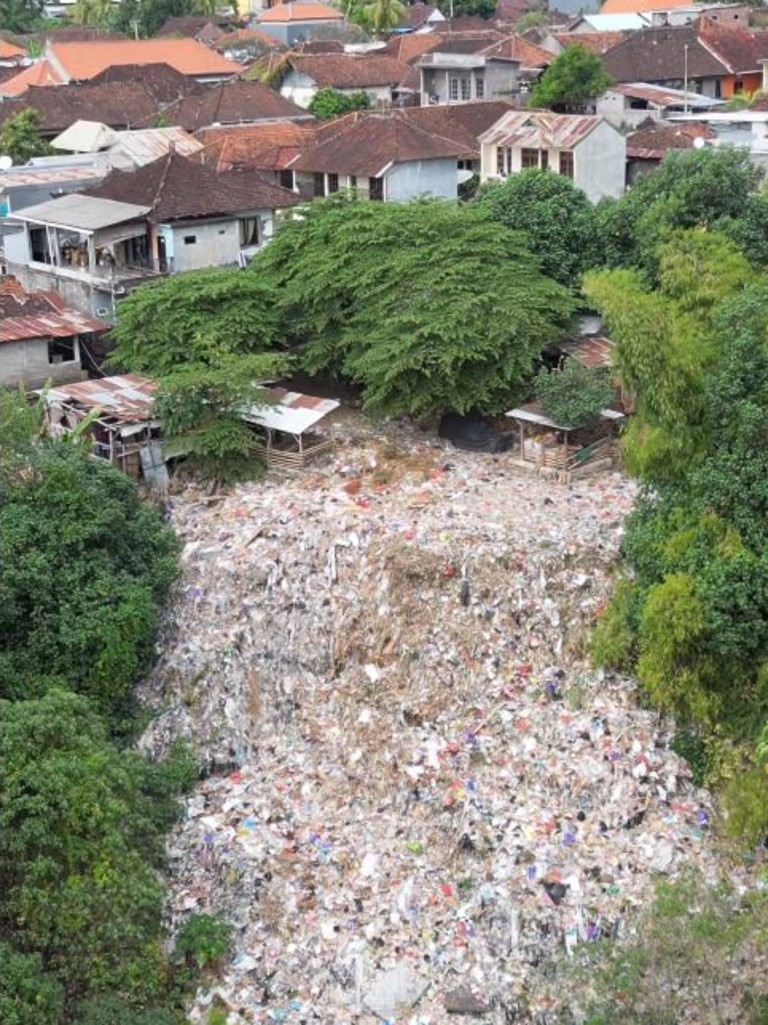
[[216, 244], [600, 162], [301, 89], [414, 178]]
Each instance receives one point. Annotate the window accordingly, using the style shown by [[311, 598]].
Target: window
[[318, 184], [190, 240], [353, 181], [62, 350], [529, 158], [566, 164], [453, 89], [503, 161], [479, 87], [249, 231], [466, 89], [333, 183], [286, 179], [376, 188], [544, 157]]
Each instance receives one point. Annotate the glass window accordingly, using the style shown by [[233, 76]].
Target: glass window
[[333, 183], [479, 87], [453, 89], [529, 158], [466, 88], [286, 179], [544, 161], [318, 184], [566, 164], [376, 188], [190, 240], [61, 350]]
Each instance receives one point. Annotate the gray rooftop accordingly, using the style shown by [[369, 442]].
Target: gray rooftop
[[83, 213]]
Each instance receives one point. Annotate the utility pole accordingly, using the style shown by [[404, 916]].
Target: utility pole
[[685, 74]]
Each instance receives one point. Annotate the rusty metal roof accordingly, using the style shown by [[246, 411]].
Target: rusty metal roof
[[663, 97], [590, 350], [293, 412], [126, 398], [540, 129], [43, 315]]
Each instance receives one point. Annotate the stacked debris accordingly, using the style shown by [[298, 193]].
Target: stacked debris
[[419, 791]]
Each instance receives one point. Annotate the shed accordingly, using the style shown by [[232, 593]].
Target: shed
[[547, 446], [120, 421], [287, 424]]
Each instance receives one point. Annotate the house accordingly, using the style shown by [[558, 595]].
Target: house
[[462, 123], [118, 102], [650, 144], [741, 53], [88, 250], [44, 178], [630, 105], [125, 150], [81, 62], [41, 337], [670, 57], [588, 150], [379, 156], [267, 147], [198, 216], [595, 42], [232, 103], [122, 426], [743, 129], [588, 24], [292, 23], [378, 75], [460, 72], [244, 44]]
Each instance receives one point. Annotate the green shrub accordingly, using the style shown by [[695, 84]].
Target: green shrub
[[574, 395]]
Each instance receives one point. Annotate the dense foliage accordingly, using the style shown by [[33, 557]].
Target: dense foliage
[[146, 17], [707, 188], [205, 337], [20, 15], [427, 306], [573, 80], [375, 16], [20, 137], [328, 103], [572, 394], [84, 568], [560, 223], [79, 599]]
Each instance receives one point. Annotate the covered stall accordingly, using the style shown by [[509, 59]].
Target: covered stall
[[286, 427], [550, 448]]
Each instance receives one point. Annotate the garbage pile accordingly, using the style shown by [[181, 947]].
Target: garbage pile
[[419, 791]]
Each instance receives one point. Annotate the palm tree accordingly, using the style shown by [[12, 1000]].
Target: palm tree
[[382, 15]]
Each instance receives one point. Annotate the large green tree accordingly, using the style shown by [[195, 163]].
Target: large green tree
[[427, 306], [572, 81], [84, 567], [207, 338], [20, 15], [81, 837], [560, 223], [707, 188]]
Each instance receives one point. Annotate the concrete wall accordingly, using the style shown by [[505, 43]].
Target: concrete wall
[[301, 90], [82, 294], [414, 178], [500, 81], [27, 363], [293, 34], [216, 243], [599, 163]]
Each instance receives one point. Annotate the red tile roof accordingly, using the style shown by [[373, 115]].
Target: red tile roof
[[596, 42], [40, 73], [298, 12], [233, 102], [659, 55], [349, 71], [82, 61], [515, 48], [10, 52], [741, 51], [260, 147], [367, 142], [176, 188], [652, 140]]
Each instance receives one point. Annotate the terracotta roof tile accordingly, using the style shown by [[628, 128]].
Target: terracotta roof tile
[[261, 147], [416, 15], [652, 141], [177, 188], [349, 71], [640, 6], [409, 48], [596, 42], [82, 61], [739, 49], [365, 143], [658, 55], [515, 48], [10, 52], [233, 102], [40, 73], [297, 12], [244, 36]]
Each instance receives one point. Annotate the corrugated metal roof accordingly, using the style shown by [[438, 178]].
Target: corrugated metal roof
[[590, 350], [83, 213], [142, 146], [294, 413], [84, 137], [127, 398], [60, 322], [540, 130], [665, 97]]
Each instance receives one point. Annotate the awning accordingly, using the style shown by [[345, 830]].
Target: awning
[[85, 214], [293, 412]]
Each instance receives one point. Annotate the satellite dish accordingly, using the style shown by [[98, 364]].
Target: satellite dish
[[699, 143], [5, 163], [464, 176]]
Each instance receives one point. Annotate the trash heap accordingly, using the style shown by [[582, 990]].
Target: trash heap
[[419, 792]]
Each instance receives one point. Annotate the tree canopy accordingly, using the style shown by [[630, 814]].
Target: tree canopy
[[427, 306], [206, 337], [560, 223], [20, 137], [573, 79], [328, 103]]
